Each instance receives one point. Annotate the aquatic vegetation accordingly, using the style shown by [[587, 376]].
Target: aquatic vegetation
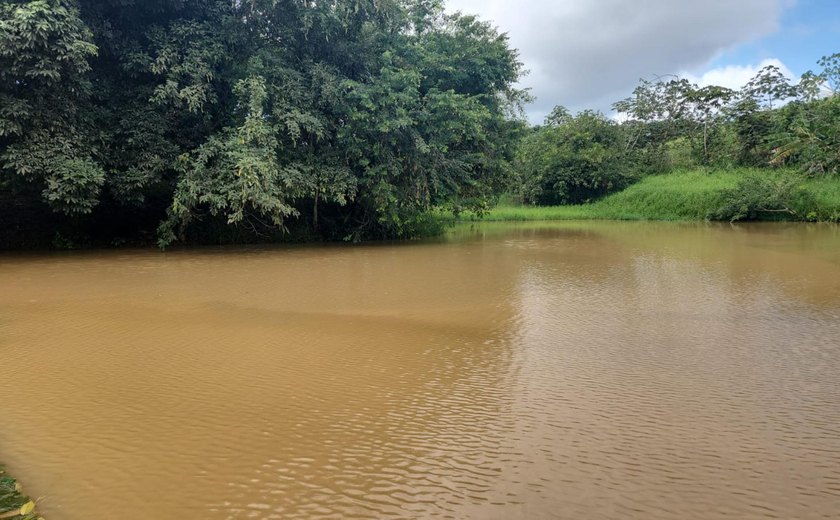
[[13, 502]]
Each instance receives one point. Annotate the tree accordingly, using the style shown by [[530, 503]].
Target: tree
[[236, 174], [812, 138], [810, 133], [259, 114], [707, 107], [657, 112], [45, 50], [574, 161], [769, 86], [831, 72]]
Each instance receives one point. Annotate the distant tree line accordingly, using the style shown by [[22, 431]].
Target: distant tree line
[[218, 120], [670, 123]]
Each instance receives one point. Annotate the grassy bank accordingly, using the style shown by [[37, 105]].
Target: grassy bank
[[13, 503], [687, 195]]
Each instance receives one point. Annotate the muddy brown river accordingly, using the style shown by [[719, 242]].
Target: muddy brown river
[[562, 370]]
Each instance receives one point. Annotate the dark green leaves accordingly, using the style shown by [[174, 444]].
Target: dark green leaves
[[236, 174], [573, 159], [42, 42], [265, 114]]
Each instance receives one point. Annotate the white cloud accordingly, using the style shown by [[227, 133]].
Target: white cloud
[[736, 76], [589, 53]]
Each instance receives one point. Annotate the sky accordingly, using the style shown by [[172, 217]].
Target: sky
[[589, 54]]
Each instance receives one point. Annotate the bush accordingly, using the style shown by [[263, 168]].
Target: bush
[[573, 160], [758, 196]]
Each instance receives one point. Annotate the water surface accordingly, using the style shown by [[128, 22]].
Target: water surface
[[564, 370]]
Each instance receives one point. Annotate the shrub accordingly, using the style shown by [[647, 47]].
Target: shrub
[[757, 196], [573, 160]]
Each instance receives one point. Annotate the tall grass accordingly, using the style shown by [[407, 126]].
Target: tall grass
[[681, 195], [826, 193]]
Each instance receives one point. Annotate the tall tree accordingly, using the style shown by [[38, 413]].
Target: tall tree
[[46, 136], [349, 118]]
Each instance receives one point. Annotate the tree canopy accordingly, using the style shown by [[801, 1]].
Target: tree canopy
[[347, 118], [669, 123]]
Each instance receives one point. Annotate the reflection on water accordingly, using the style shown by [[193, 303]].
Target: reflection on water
[[567, 370]]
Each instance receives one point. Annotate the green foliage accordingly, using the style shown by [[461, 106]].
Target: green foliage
[[74, 185], [805, 132], [235, 174], [42, 42], [810, 86], [45, 50], [352, 118], [13, 503], [697, 195], [72, 181], [770, 122], [812, 138], [752, 126], [572, 159], [769, 87], [680, 153], [758, 196], [349, 119], [661, 111], [187, 57], [831, 71]]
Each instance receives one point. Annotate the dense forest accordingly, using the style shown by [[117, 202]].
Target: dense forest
[[220, 120], [206, 121], [670, 124]]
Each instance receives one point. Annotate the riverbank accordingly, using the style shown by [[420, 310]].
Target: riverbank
[[697, 195], [13, 503]]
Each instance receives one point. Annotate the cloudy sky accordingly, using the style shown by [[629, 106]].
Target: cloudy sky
[[590, 53]]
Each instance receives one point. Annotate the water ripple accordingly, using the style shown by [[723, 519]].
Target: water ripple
[[562, 371]]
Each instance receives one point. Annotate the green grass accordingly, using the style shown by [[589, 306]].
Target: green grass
[[12, 501], [826, 192], [684, 195]]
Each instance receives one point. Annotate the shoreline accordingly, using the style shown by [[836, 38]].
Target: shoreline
[[14, 504], [696, 195]]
